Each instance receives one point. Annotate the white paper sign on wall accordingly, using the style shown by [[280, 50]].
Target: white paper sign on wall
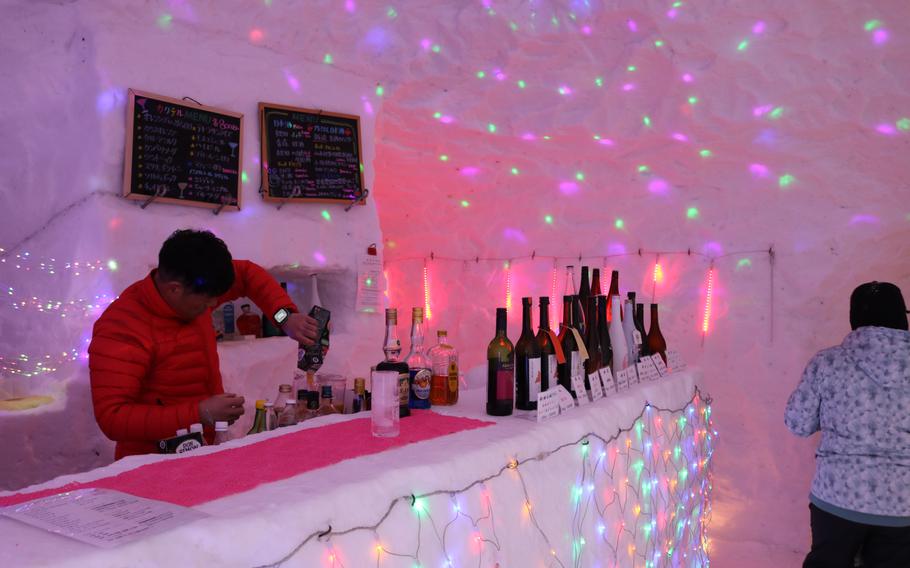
[[369, 284], [548, 405]]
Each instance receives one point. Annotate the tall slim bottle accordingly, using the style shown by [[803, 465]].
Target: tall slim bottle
[[614, 291], [259, 419], [605, 345], [592, 341], [527, 362], [500, 370], [444, 359], [656, 341], [391, 347], [548, 375], [420, 371], [573, 365], [595, 282], [640, 326], [628, 328], [618, 338], [584, 292]]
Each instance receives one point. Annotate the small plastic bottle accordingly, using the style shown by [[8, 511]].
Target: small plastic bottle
[[221, 433], [197, 427], [326, 406], [271, 419], [288, 416]]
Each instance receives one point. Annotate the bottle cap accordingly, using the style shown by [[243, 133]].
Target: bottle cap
[[359, 382], [326, 391], [284, 388], [268, 403], [441, 333], [221, 426], [260, 404], [301, 394], [182, 432], [197, 427], [291, 401], [391, 315]]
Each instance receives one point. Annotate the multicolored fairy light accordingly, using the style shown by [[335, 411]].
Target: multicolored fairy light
[[508, 268], [554, 275], [709, 298], [427, 310]]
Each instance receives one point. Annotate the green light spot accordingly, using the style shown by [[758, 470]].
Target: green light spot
[[580, 176], [659, 43], [646, 121], [443, 158], [776, 113], [514, 171], [631, 68], [744, 263], [420, 505], [693, 100], [391, 13], [599, 81], [481, 74], [677, 4], [243, 177], [165, 20], [327, 59], [522, 84], [619, 224], [379, 90], [692, 212], [872, 24], [112, 264], [465, 203], [903, 124], [491, 128], [705, 153], [743, 45], [513, 26], [437, 115], [548, 219], [643, 169], [554, 20], [786, 180], [326, 215], [547, 137], [437, 48]]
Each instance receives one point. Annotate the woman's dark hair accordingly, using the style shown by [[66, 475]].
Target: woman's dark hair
[[197, 259], [878, 303]]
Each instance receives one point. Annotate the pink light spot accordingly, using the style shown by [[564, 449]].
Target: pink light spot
[[616, 248], [293, 83], [761, 110], [319, 257], [886, 129], [568, 187], [628, 87], [586, 30], [469, 171], [606, 142], [713, 248], [880, 36], [758, 170], [350, 6], [514, 235], [688, 78], [367, 105], [659, 187], [114, 223], [256, 35], [500, 76], [528, 136], [864, 219], [633, 27], [426, 44], [672, 13], [680, 137], [446, 119], [758, 28]]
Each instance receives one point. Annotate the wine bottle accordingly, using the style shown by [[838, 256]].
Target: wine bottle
[[420, 373], [500, 370], [614, 291], [640, 326], [628, 328], [584, 292], [527, 362], [656, 342], [618, 338], [569, 345], [592, 342], [548, 376], [391, 347], [595, 282], [605, 345]]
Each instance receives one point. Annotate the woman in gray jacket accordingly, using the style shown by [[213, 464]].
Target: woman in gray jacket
[[858, 395]]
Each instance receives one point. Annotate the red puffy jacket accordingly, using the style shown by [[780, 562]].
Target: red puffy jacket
[[150, 369]]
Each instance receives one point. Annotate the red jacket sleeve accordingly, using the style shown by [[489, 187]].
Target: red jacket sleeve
[[252, 281], [120, 357]]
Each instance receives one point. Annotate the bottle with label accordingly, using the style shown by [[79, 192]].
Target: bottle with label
[[618, 338], [284, 393], [527, 362], [592, 342], [569, 346], [656, 342], [628, 329], [595, 282], [640, 327], [548, 368], [391, 347], [444, 361], [221, 433], [258, 419], [419, 371], [301, 404], [500, 370], [271, 419], [358, 402], [581, 314], [312, 404], [606, 348], [614, 291], [288, 415], [325, 404]]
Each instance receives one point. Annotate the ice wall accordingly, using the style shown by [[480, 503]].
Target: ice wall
[[506, 130]]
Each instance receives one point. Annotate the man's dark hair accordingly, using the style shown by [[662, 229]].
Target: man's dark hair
[[197, 259], [878, 303]]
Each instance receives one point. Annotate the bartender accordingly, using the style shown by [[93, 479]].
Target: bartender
[[153, 360]]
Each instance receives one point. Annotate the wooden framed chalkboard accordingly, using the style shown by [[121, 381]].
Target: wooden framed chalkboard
[[182, 152], [310, 155]]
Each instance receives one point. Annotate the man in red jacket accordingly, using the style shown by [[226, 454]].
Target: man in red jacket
[[153, 360]]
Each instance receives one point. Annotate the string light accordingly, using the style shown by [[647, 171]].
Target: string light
[[508, 268], [708, 300], [426, 291], [553, 277]]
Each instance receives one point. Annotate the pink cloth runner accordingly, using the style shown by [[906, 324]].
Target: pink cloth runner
[[198, 479]]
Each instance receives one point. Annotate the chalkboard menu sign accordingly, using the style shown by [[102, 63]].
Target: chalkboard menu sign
[[181, 152], [310, 154]]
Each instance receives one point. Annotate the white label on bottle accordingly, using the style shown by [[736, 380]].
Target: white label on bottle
[[548, 404], [636, 337], [675, 361], [566, 402], [578, 385], [597, 391], [553, 370], [533, 378], [609, 383], [659, 363]]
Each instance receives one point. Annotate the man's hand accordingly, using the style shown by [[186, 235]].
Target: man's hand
[[226, 407], [301, 328]]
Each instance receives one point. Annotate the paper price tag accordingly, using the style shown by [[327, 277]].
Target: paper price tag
[[597, 391], [636, 337], [566, 402], [659, 363], [609, 384], [675, 361], [622, 380], [548, 405], [633, 374], [647, 372], [578, 385]]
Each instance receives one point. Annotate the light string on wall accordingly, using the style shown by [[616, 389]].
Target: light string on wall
[[639, 496]]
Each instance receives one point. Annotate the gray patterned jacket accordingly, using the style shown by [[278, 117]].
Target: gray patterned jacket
[[858, 395]]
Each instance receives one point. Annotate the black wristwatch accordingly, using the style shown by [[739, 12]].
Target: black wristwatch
[[281, 316]]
